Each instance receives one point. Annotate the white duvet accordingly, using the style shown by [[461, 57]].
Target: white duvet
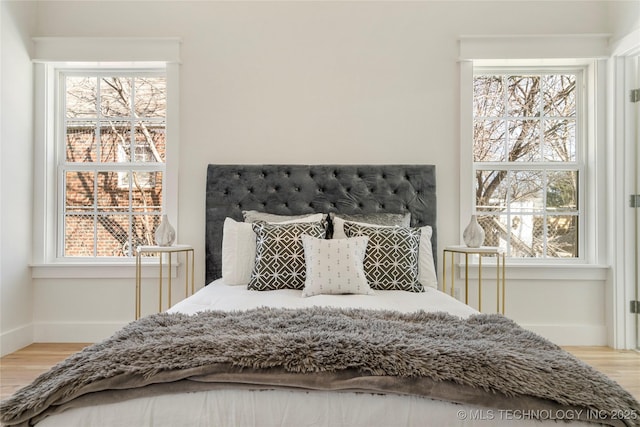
[[265, 408], [219, 296]]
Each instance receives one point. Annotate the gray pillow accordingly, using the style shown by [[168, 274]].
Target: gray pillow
[[257, 216], [336, 229], [379, 218]]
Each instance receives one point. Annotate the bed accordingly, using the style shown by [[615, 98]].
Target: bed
[[343, 331]]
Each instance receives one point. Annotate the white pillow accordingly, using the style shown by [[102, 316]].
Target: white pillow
[[239, 248], [426, 268], [335, 266], [238, 252]]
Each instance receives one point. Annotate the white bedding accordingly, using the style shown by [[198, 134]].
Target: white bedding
[[219, 296], [264, 408]]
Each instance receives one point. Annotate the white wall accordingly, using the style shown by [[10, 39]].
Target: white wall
[[315, 82], [624, 17], [16, 124]]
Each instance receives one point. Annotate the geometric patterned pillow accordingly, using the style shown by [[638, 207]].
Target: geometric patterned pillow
[[279, 260], [391, 261]]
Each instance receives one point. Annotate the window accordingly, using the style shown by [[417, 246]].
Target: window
[[528, 160], [111, 147], [106, 135]]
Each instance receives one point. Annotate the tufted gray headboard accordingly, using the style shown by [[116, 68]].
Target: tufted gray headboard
[[299, 189]]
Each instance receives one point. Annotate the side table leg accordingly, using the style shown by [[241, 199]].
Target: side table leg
[[169, 283], [192, 272], [160, 285], [453, 274], [444, 271], [466, 278], [479, 282], [498, 283], [186, 274], [504, 281], [138, 284]]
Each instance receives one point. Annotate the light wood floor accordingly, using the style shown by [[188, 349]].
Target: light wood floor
[[619, 365], [20, 368]]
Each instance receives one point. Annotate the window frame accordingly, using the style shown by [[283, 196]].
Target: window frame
[[594, 179], [578, 164], [47, 262]]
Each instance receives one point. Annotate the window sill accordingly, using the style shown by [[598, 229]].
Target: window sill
[[110, 270], [514, 271]]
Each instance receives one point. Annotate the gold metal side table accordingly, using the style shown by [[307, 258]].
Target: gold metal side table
[[160, 250], [482, 251]]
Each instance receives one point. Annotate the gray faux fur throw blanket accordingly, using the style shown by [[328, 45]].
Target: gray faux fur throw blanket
[[484, 360]]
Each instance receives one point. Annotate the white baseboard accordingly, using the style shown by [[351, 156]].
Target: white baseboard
[[15, 339], [75, 332], [569, 335]]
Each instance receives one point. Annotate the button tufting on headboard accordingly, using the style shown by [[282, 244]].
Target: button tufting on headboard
[[300, 189]]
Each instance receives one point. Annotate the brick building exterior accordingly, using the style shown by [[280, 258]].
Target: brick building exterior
[[107, 213]]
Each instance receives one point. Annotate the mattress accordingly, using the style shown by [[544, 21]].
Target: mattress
[[279, 408]]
